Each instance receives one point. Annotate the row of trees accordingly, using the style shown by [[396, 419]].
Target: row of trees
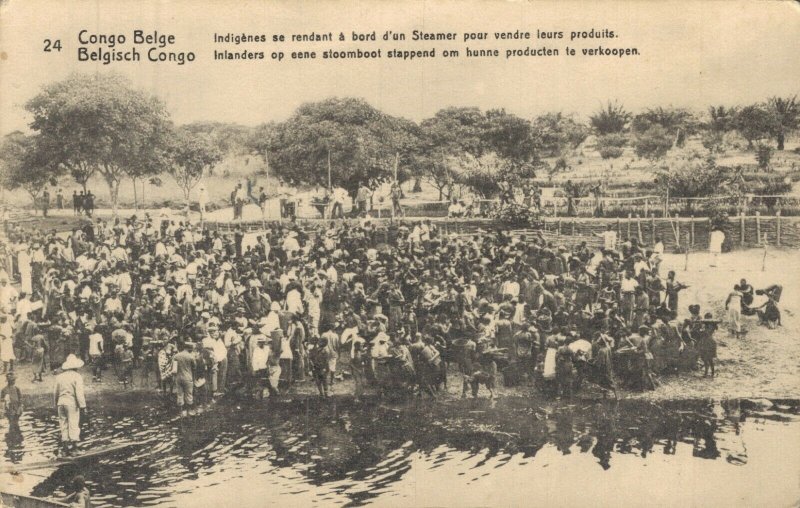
[[91, 125], [654, 131], [98, 125]]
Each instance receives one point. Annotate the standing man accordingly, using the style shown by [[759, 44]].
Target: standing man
[[60, 199], [45, 202], [262, 202], [69, 400], [202, 200], [362, 200], [12, 402], [242, 196], [396, 194], [673, 287], [609, 237], [233, 201], [734, 307], [184, 377], [88, 203], [716, 239]]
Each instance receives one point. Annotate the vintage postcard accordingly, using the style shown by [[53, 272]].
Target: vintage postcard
[[399, 253]]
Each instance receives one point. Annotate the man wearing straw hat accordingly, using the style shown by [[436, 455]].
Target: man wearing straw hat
[[69, 400]]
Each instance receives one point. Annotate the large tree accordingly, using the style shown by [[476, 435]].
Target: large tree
[[229, 138], [26, 164], [755, 122], [467, 146], [189, 156], [347, 136], [511, 138], [556, 133], [98, 123], [787, 117], [446, 138]]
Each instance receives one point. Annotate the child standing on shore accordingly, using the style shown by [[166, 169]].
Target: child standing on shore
[[12, 401]]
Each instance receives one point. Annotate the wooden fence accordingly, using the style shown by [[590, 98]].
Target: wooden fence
[[741, 231]]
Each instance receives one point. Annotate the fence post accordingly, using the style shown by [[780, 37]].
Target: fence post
[[619, 228], [758, 225], [678, 231], [741, 228], [639, 228], [653, 227], [559, 228], [629, 225], [646, 206], [691, 235], [778, 228], [572, 224]]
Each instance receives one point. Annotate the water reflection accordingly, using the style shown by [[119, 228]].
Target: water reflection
[[339, 450]]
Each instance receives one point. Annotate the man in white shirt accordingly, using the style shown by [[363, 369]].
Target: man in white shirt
[[294, 301], [124, 282], [272, 320], [609, 238], [96, 354], [24, 307], [510, 287], [8, 296], [715, 241], [627, 289]]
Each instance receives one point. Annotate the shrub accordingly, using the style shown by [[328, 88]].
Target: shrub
[[611, 146], [763, 156], [652, 143], [712, 141]]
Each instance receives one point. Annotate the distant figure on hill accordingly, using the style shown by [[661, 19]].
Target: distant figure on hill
[[715, 241], [45, 202], [202, 199]]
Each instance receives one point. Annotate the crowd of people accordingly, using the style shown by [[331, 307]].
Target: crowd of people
[[201, 313]]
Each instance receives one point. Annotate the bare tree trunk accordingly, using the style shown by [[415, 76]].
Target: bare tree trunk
[[113, 191], [186, 191], [135, 194]]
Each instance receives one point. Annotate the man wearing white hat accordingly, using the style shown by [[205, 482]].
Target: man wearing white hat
[[69, 400]]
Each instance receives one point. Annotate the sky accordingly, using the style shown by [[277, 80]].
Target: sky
[[692, 54]]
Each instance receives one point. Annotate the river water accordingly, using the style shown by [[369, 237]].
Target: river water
[[447, 453]]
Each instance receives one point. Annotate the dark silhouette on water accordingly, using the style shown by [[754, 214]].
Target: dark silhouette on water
[[360, 450]]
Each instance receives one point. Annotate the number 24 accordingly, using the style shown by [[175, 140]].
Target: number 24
[[52, 45]]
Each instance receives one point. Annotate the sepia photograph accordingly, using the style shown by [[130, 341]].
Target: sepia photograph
[[404, 253]]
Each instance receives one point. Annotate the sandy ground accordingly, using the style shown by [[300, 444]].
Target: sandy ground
[[763, 364]]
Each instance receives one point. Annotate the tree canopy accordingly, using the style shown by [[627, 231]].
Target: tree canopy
[[610, 119], [25, 164], [557, 132], [786, 112], [356, 141], [99, 123], [189, 156]]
